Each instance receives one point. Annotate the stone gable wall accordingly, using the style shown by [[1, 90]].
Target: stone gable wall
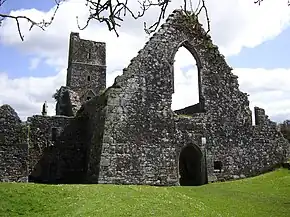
[[139, 119]]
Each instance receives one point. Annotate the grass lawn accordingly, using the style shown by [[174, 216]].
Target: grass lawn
[[265, 195]]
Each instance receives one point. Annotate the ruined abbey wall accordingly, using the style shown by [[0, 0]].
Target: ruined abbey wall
[[65, 159], [44, 132], [128, 134], [144, 126], [140, 122]]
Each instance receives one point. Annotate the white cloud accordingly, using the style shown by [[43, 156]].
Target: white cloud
[[26, 95], [185, 81], [268, 89], [234, 24], [34, 62]]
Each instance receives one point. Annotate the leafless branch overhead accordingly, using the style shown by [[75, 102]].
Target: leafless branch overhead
[[112, 13], [42, 24]]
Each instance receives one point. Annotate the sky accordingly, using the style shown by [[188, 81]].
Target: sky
[[254, 40]]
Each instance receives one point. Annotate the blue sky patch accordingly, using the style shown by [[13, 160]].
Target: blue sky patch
[[269, 55]]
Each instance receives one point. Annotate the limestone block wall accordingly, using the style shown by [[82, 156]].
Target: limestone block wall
[[274, 148], [94, 110], [254, 150], [73, 146], [142, 145], [13, 146], [60, 158], [14, 163], [80, 73], [44, 131], [86, 51], [68, 102]]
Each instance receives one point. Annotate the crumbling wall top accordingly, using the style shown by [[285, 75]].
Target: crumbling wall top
[[8, 114]]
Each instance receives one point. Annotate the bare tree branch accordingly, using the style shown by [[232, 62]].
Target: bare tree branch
[[2, 2], [42, 24], [203, 6], [260, 1], [163, 6], [112, 13]]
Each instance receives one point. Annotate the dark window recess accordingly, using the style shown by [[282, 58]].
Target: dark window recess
[[53, 134], [218, 166], [89, 56], [2, 137], [88, 98], [89, 78]]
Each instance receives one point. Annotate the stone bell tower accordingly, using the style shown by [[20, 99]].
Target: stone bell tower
[[86, 72]]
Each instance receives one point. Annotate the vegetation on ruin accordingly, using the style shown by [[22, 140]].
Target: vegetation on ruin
[[265, 195], [184, 116], [285, 129]]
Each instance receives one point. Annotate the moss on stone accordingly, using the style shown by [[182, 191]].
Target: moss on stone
[[184, 116]]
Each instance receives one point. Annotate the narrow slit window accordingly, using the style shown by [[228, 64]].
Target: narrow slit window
[[2, 137], [89, 56], [89, 78]]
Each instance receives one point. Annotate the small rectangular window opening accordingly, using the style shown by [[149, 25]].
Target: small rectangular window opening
[[2, 137], [89, 78], [218, 166], [88, 98]]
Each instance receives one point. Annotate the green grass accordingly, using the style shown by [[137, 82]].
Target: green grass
[[265, 195]]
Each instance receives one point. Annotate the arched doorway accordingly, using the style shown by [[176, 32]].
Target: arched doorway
[[191, 166]]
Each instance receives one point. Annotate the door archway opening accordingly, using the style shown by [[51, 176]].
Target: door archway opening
[[192, 169]]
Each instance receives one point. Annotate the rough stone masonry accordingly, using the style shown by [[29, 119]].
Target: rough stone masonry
[[128, 133]]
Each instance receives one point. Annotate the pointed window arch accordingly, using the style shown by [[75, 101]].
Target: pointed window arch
[[187, 98]]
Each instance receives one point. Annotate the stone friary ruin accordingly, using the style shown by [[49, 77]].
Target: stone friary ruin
[[128, 133]]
